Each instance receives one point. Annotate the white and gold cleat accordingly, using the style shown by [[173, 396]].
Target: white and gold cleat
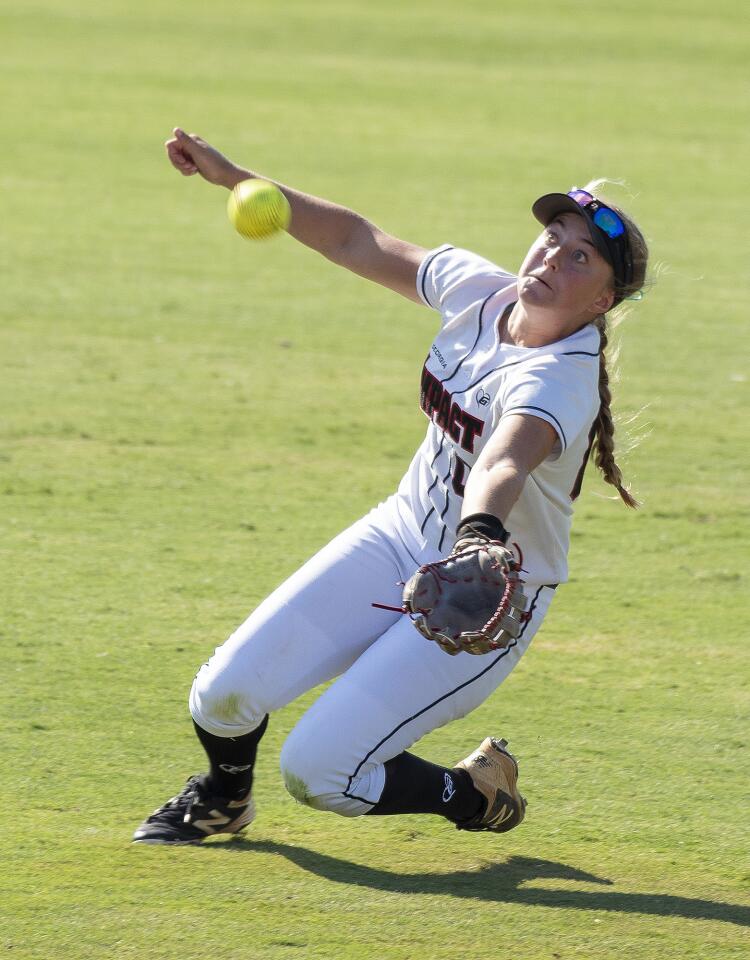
[[494, 773]]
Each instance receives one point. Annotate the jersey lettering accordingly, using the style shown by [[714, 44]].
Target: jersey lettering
[[444, 411], [432, 391], [436, 402], [460, 469], [454, 423], [472, 428]]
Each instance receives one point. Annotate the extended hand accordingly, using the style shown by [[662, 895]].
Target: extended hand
[[190, 154]]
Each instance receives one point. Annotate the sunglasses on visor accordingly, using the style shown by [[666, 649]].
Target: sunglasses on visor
[[603, 216]]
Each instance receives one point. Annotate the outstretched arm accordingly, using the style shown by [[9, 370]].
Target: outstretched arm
[[339, 234]]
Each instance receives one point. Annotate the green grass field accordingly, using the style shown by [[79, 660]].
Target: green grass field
[[185, 416]]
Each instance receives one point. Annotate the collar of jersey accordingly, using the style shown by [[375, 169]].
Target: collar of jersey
[[583, 341]]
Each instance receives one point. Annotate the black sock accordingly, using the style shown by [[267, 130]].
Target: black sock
[[232, 760], [413, 785]]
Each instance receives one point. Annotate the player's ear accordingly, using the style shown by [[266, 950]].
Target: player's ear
[[604, 301]]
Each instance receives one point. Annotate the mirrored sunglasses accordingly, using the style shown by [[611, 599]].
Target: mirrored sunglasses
[[603, 216]]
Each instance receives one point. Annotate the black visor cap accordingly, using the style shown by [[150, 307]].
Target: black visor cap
[[615, 251]]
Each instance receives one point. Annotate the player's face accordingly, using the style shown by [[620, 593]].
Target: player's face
[[563, 271]]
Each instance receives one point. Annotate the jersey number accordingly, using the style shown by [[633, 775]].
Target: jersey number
[[460, 469]]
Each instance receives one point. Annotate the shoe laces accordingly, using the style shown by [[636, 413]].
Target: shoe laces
[[183, 802]]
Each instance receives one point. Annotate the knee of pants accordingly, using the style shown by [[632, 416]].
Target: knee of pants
[[223, 706], [314, 773]]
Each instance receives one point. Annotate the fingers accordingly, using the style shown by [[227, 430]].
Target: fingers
[[190, 154], [179, 159], [180, 151]]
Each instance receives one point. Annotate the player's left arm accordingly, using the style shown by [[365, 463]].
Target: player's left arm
[[517, 446]]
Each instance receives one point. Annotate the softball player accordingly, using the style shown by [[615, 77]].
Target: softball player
[[516, 394]]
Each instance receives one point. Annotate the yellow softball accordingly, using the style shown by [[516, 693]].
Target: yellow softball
[[258, 209]]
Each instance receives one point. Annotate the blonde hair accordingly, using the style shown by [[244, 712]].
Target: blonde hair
[[603, 431]]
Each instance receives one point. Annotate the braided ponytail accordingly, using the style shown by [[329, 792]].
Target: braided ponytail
[[604, 427]]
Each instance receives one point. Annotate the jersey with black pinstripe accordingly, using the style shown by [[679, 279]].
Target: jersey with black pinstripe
[[470, 381]]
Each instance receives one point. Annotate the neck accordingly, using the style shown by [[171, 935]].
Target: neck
[[524, 327]]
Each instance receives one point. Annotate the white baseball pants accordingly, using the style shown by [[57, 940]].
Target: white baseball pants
[[393, 686]]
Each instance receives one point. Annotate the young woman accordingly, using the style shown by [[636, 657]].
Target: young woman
[[516, 390]]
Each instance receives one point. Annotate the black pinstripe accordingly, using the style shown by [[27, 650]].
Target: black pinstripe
[[512, 363], [476, 340], [432, 485], [529, 406], [427, 267], [447, 498], [445, 528], [434, 703], [584, 353], [429, 512]]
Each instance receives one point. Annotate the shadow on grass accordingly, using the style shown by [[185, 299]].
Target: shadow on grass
[[500, 883]]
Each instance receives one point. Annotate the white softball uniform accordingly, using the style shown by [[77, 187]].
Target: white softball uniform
[[394, 686]]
